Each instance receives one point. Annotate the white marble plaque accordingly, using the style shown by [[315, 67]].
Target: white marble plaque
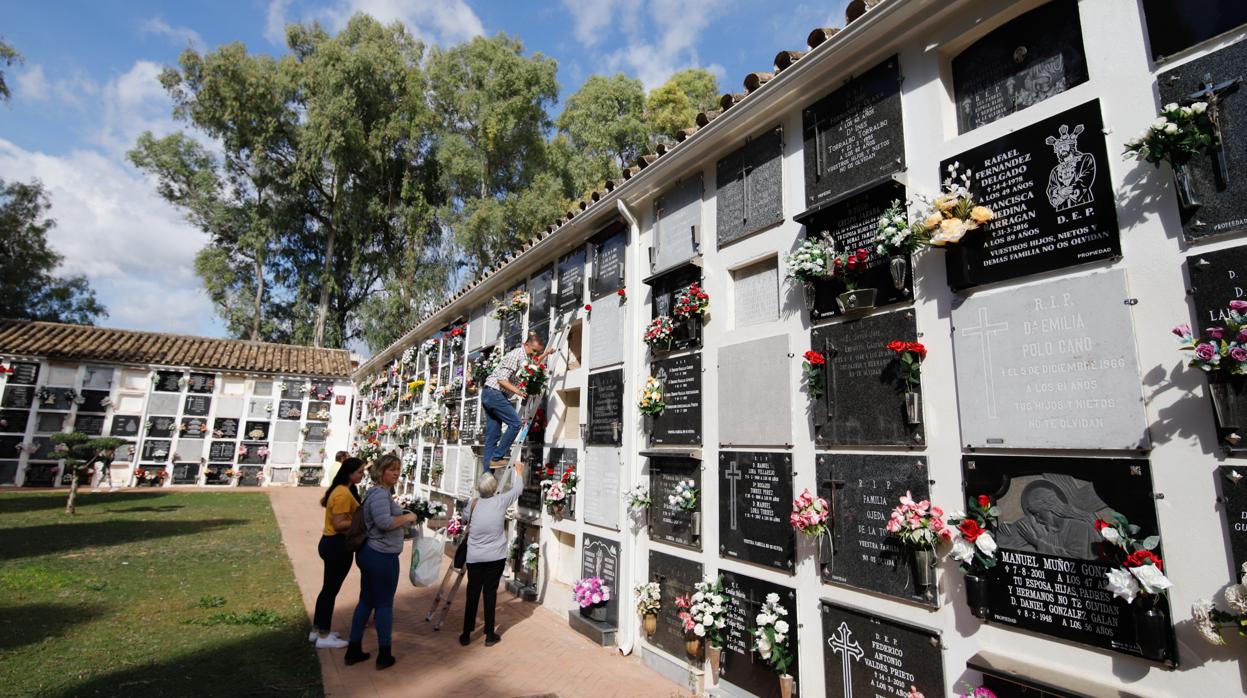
[[492, 326], [260, 409], [283, 453], [755, 405], [476, 329], [135, 380], [164, 403], [189, 449], [263, 387], [230, 407], [469, 466], [286, 431], [97, 378], [279, 476], [602, 499], [1050, 364], [129, 404], [606, 326], [756, 293], [450, 468], [62, 375], [677, 219], [233, 385]]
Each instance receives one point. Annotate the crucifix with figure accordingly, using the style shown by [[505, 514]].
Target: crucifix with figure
[[842, 643], [984, 331], [1212, 94]]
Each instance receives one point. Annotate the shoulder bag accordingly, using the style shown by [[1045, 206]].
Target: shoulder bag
[[357, 534]]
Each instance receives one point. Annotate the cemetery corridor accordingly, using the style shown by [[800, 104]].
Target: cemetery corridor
[[539, 654]]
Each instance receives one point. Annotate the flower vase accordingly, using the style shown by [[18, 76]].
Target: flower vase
[[1151, 631], [692, 647], [714, 654], [1184, 187], [857, 299], [810, 293], [596, 612], [785, 686], [556, 510], [648, 422], [650, 623], [1229, 400], [976, 596], [696, 525], [923, 562], [899, 266], [913, 408], [822, 550]]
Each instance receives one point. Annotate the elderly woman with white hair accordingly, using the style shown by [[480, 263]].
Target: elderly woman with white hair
[[486, 519]]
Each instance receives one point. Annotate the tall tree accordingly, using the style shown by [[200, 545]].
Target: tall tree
[[28, 287], [605, 123], [674, 105], [8, 56]]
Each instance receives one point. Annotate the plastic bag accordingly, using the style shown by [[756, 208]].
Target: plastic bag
[[426, 560]]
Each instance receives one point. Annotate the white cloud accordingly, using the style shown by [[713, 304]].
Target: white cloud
[[590, 18], [33, 84], [130, 104], [184, 36], [431, 21], [275, 22]]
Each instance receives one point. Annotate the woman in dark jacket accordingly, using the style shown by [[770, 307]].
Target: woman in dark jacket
[[340, 502]]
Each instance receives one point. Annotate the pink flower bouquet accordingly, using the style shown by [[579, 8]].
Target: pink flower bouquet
[[591, 591], [1221, 349], [809, 514], [919, 524]]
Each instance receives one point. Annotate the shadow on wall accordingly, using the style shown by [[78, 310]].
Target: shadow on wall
[[32, 541]]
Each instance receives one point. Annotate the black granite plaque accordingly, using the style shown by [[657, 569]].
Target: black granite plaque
[[40, 475], [156, 450], [1222, 208], [161, 427], [185, 473], [201, 383], [256, 431], [225, 428], [56, 399], [542, 330], [530, 498], [606, 400], [512, 330], [18, 396], [222, 451], [167, 381], [1031, 58], [599, 557], [1051, 579], [253, 455], [311, 476], [125, 425], [316, 432], [750, 188], [680, 422], [197, 405], [50, 422], [865, 399], [676, 577], [669, 523], [855, 134], [249, 475], [14, 421], [292, 389], [1049, 186], [862, 491], [1176, 25], [194, 428], [469, 426], [852, 223], [571, 281], [92, 402], [426, 460], [8, 472], [321, 390], [9, 445], [540, 292], [867, 655], [558, 460], [214, 473], [290, 410], [443, 374], [741, 666], [24, 373], [1216, 279], [318, 411], [755, 499], [89, 424], [1234, 497], [609, 250], [664, 290]]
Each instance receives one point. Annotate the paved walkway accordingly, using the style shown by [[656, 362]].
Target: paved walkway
[[538, 656]]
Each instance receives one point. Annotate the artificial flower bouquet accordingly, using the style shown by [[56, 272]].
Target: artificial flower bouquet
[[911, 355], [954, 213], [895, 235], [684, 496], [771, 633], [704, 613], [638, 498], [1176, 135], [591, 591], [1138, 573], [810, 262], [651, 400], [648, 598], [918, 524], [691, 302], [1222, 349], [659, 332], [1210, 620], [974, 546], [848, 267], [812, 367], [455, 526], [533, 377], [809, 514]]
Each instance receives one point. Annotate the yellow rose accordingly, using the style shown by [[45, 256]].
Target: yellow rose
[[932, 221], [946, 203], [981, 214], [951, 230]]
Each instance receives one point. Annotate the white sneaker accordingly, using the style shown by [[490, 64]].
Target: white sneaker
[[333, 642], [314, 636]]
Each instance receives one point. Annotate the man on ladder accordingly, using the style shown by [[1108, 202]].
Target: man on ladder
[[496, 403]]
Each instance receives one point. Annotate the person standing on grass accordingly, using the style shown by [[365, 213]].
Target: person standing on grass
[[384, 521], [486, 519], [340, 502], [496, 401]]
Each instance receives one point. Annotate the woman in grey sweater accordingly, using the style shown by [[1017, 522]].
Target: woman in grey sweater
[[384, 521], [487, 550]]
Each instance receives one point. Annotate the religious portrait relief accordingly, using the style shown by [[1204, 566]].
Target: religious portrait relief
[[1039, 82], [1069, 183], [1051, 514]]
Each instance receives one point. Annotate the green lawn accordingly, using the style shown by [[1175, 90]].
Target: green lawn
[[149, 593]]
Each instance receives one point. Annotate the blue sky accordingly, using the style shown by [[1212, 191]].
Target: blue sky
[[88, 88]]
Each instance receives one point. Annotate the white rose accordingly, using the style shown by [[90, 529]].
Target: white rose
[[1171, 129], [1159, 123], [963, 550], [760, 620], [1171, 106], [1151, 578], [1122, 584], [720, 624], [707, 619], [1236, 598], [698, 596], [1110, 534], [1199, 107], [699, 631], [772, 598], [781, 626], [986, 543], [764, 645]]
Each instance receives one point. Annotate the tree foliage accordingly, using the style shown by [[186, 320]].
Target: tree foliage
[[674, 105], [605, 125], [29, 288], [8, 57], [79, 453]]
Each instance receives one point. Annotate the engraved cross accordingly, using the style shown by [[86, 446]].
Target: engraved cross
[[984, 331]]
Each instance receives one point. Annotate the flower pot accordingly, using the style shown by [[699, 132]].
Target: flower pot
[[859, 299], [785, 686], [822, 550], [913, 408], [696, 524], [976, 596], [692, 646], [648, 421], [1151, 631], [595, 612], [650, 624], [1229, 400], [923, 564], [1184, 187], [714, 654], [899, 266], [556, 510]]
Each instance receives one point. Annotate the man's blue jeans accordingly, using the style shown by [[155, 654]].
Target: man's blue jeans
[[498, 411]]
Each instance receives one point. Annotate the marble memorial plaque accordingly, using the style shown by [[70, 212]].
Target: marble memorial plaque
[[256, 431], [125, 426], [260, 409], [290, 409], [676, 577], [92, 401], [680, 422], [283, 453], [558, 461], [222, 451], [1176, 25], [854, 135], [677, 224], [600, 485], [185, 473], [229, 407], [868, 655], [225, 429], [18, 396], [194, 428], [97, 378], [130, 404], [852, 223], [750, 188], [755, 499], [606, 332], [529, 503], [755, 291], [257, 453], [470, 428], [56, 399], [1234, 498], [316, 432], [862, 491], [89, 424], [14, 421], [469, 467], [606, 401], [1220, 193], [318, 411], [426, 461], [664, 290], [539, 291], [599, 557], [1019, 64], [155, 450], [24, 373], [865, 400], [161, 427], [286, 431], [168, 381], [761, 373], [50, 422], [476, 329], [1051, 578], [262, 387], [1216, 279], [163, 404], [311, 476], [450, 469], [667, 522], [197, 405], [204, 383], [1050, 364], [610, 248], [280, 476], [1048, 184], [740, 665], [249, 475], [571, 282]]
